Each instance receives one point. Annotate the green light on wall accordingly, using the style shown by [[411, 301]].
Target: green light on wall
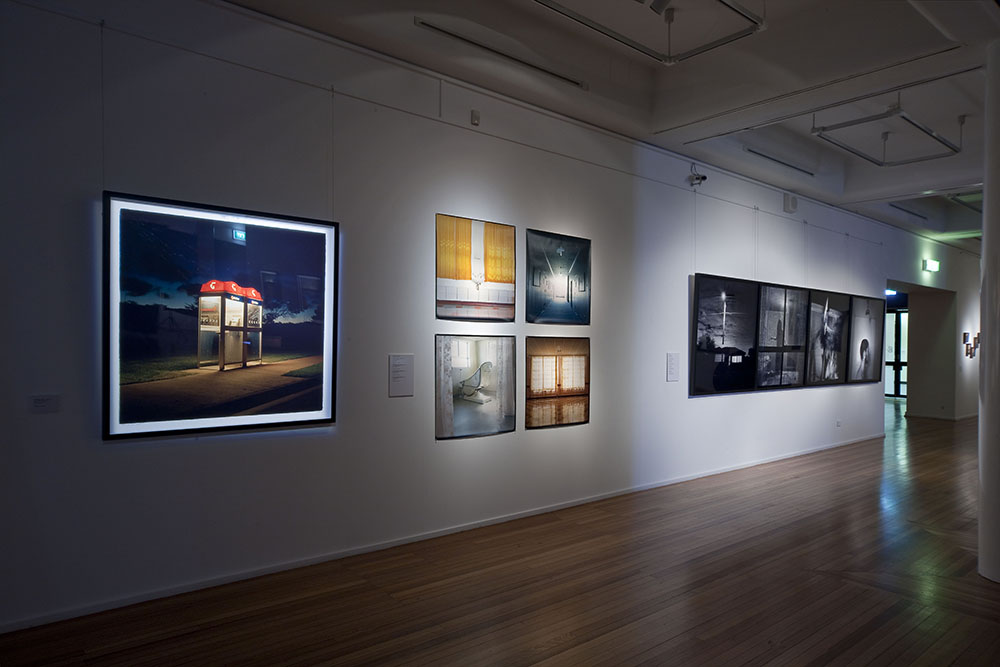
[[932, 265]]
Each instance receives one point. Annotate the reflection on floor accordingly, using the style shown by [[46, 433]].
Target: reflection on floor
[[558, 311], [541, 412], [895, 415], [480, 419]]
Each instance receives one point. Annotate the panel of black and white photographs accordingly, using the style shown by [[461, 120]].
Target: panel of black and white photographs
[[475, 384], [747, 336]]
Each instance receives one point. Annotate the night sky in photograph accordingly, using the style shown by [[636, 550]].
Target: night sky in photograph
[[732, 326]]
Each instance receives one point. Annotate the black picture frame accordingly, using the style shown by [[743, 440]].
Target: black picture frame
[[782, 335], [186, 330], [865, 362], [559, 266], [829, 335], [724, 314]]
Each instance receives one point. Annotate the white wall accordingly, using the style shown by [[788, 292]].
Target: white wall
[[200, 102]]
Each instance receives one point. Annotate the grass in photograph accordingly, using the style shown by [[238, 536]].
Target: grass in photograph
[[147, 370], [164, 368], [314, 371]]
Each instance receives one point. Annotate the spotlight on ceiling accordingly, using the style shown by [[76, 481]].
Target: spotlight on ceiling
[[659, 5]]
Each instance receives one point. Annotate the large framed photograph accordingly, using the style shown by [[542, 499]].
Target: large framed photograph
[[829, 315], [558, 288], [475, 269], [557, 391], [723, 333], [474, 385], [865, 351], [216, 318], [781, 336]]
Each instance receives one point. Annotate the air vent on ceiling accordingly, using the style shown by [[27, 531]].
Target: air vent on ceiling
[[497, 52]]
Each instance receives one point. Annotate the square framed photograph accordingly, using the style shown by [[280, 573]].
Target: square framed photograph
[[216, 318], [475, 269], [557, 382], [474, 389], [865, 351], [781, 336], [723, 333], [829, 317], [559, 290]]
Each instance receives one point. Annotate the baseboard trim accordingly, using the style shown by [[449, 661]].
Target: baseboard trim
[[115, 603]]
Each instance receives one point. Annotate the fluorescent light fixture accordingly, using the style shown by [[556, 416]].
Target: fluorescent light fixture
[[890, 292], [931, 265]]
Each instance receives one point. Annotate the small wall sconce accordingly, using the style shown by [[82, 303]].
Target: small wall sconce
[[931, 265], [965, 336], [890, 292]]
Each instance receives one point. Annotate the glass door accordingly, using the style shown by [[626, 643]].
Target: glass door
[[896, 331]]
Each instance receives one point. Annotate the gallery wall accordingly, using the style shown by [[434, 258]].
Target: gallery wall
[[201, 102]]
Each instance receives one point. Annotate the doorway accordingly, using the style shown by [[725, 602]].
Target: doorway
[[897, 325]]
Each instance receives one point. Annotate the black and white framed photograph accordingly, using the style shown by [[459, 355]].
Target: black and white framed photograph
[[475, 269], [474, 391], [829, 317], [557, 386], [865, 351], [723, 332], [559, 289], [216, 318], [781, 336]]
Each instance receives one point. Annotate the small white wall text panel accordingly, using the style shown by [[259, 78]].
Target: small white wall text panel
[[400, 375]]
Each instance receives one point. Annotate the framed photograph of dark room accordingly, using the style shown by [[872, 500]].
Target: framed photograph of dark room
[[557, 391], [781, 336], [475, 269], [826, 358], [216, 318], [864, 362], [474, 386], [723, 332], [558, 289]]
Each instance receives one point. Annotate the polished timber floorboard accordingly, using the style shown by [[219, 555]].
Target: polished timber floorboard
[[864, 554]]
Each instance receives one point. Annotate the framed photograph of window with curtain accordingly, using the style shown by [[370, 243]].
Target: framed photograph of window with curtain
[[474, 385], [475, 269], [557, 381], [781, 336], [215, 318]]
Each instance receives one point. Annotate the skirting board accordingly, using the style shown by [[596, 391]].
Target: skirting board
[[83, 610]]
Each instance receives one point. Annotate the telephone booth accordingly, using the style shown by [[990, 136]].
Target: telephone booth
[[229, 325]]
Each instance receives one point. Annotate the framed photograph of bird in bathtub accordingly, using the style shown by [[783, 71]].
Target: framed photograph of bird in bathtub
[[474, 388], [826, 352], [864, 361], [475, 269]]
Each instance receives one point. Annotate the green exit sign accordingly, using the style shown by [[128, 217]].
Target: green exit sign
[[239, 235]]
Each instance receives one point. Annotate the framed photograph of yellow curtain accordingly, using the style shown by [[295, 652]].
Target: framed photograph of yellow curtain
[[475, 269]]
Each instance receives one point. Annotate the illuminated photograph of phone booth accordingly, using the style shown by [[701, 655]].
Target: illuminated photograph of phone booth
[[229, 325]]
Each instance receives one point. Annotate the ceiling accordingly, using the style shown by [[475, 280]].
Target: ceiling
[[872, 105]]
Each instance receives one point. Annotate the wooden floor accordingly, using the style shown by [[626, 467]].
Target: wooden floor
[[863, 554]]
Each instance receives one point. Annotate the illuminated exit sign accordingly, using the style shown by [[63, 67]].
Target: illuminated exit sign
[[239, 235]]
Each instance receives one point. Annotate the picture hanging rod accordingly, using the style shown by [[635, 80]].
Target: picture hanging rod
[[757, 24]]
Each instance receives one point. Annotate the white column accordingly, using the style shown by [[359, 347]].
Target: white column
[[989, 351]]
